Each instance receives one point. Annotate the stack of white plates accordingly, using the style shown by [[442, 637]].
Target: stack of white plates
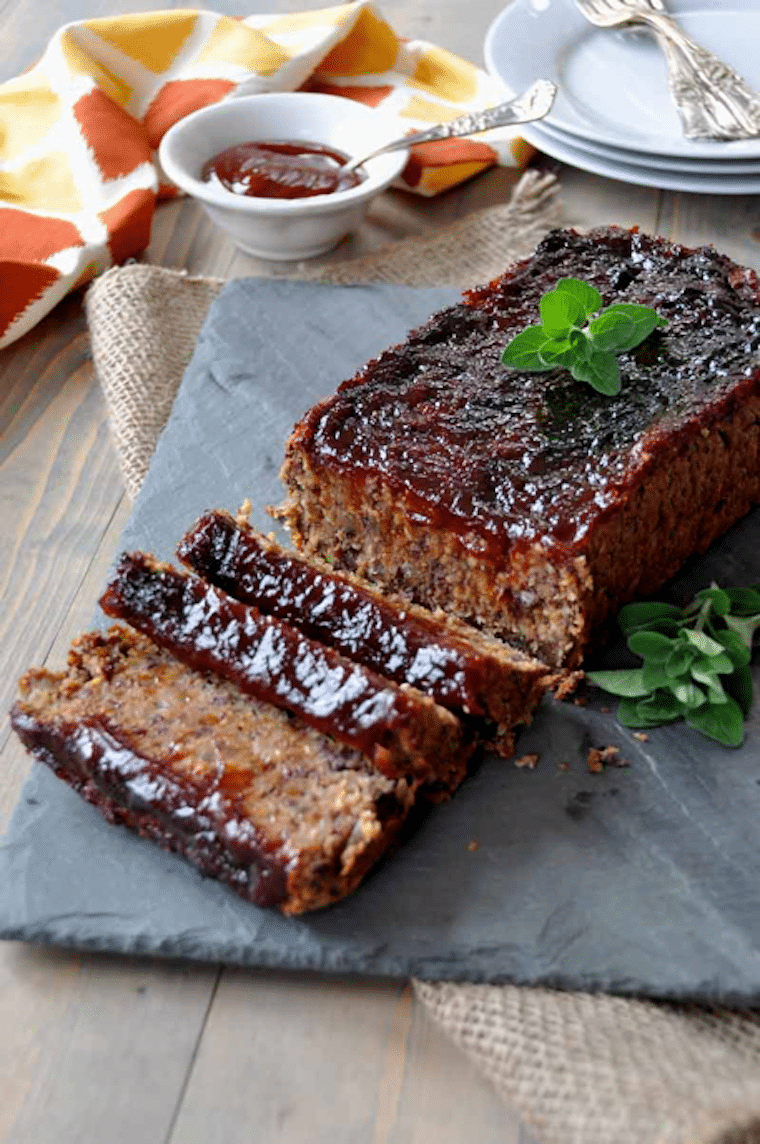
[[614, 115]]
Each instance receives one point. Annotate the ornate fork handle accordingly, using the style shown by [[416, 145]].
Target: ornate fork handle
[[713, 101]]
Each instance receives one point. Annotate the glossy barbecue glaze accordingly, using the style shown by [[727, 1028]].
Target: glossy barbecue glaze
[[402, 731], [507, 459], [459, 668], [191, 812]]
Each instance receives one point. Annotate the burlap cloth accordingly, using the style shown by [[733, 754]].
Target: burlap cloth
[[579, 1069]]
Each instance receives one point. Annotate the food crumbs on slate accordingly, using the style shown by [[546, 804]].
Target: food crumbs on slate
[[598, 757]]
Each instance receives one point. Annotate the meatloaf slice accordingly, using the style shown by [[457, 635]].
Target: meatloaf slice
[[401, 730], [528, 503], [283, 814], [458, 666]]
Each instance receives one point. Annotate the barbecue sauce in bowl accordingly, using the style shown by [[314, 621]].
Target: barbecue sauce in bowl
[[281, 170]]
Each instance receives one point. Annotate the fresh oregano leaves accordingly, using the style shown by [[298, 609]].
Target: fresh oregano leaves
[[560, 313], [642, 319], [695, 663], [599, 369], [587, 296], [524, 349], [589, 351]]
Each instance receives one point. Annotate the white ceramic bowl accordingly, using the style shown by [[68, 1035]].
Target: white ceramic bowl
[[282, 229]]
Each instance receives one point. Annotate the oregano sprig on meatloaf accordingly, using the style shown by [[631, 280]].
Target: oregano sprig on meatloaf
[[588, 349]]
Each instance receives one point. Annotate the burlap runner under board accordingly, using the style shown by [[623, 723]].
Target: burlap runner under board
[[580, 1069]]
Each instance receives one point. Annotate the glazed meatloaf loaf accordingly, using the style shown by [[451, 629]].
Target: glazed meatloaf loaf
[[255, 798], [528, 503], [456, 665]]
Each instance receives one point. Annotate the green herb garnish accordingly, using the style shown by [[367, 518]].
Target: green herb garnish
[[565, 339], [695, 663]]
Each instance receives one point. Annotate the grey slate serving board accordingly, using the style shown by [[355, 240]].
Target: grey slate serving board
[[639, 880]]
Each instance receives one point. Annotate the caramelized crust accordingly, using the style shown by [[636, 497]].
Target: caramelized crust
[[403, 732], [452, 662], [283, 814], [528, 503]]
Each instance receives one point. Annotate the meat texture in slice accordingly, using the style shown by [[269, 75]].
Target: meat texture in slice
[[249, 795]]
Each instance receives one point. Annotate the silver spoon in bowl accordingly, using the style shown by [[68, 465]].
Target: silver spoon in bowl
[[534, 103]]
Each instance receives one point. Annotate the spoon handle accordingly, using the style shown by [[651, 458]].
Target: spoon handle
[[532, 104]]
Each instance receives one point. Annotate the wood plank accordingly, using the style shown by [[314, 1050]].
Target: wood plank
[[443, 1088], [460, 28], [312, 1060], [183, 236], [589, 200], [95, 1047], [59, 487], [729, 222]]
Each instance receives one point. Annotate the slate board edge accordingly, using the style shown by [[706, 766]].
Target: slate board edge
[[378, 969]]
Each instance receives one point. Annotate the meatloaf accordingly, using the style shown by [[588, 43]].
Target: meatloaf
[[528, 503], [251, 796], [403, 732], [456, 665]]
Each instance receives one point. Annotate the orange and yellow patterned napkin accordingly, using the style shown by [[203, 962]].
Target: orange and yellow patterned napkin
[[79, 131]]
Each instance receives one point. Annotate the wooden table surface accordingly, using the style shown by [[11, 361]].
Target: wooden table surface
[[129, 1051]]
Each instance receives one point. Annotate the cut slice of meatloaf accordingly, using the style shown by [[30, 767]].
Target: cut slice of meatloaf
[[528, 503], [458, 666], [403, 732], [280, 812]]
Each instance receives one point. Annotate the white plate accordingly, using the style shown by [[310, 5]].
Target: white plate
[[613, 84], [643, 176], [660, 162]]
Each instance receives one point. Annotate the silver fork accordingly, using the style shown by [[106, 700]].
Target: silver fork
[[713, 101]]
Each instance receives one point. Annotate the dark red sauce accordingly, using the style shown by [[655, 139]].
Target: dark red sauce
[[281, 170]]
